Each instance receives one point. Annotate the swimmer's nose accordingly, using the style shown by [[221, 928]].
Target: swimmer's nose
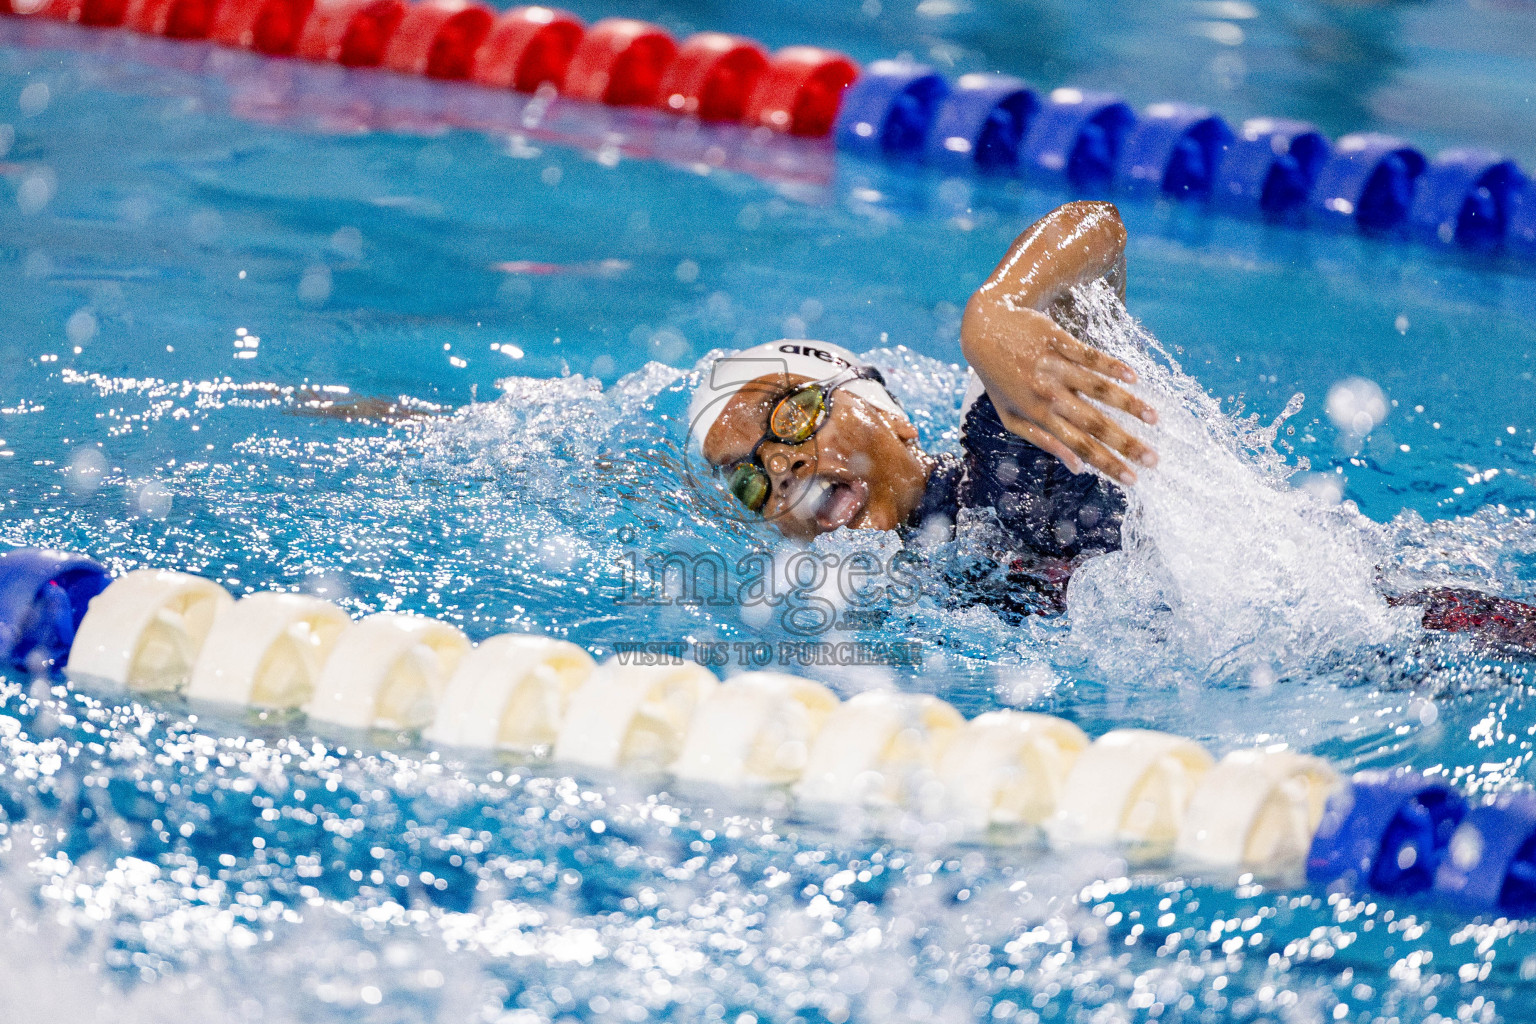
[[789, 465]]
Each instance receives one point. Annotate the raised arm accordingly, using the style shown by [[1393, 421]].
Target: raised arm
[[1039, 376]]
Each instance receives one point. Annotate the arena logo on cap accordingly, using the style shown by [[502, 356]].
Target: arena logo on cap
[[815, 353]]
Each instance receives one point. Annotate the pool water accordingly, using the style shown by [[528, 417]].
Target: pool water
[[201, 245]]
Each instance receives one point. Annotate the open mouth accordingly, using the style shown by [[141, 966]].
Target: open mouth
[[832, 503]]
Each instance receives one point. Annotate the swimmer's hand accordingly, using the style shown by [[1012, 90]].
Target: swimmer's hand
[[1041, 378]]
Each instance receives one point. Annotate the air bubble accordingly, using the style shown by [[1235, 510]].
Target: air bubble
[[80, 327], [34, 99], [85, 470], [348, 243], [1356, 406], [36, 190], [153, 499], [315, 285]]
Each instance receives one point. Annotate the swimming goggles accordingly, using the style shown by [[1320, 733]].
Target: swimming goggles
[[795, 419]]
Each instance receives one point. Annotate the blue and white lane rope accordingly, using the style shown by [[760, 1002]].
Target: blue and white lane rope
[[1269, 812]]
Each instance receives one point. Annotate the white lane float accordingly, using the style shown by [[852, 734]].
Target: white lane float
[[1008, 768], [267, 651], [1130, 786], [156, 630], [755, 729], [146, 629], [387, 671], [1257, 809], [510, 693], [632, 715], [878, 749]]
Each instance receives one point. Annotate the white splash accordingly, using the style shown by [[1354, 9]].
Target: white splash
[[1228, 572]]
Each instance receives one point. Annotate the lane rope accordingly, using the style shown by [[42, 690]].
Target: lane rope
[[1084, 142], [1007, 775]]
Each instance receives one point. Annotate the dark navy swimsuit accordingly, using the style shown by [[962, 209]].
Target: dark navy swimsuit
[[1044, 518]]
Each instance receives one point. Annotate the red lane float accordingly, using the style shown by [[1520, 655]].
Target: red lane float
[[96, 13], [353, 33], [800, 91], [438, 38], [620, 62], [266, 26], [527, 47], [712, 77], [173, 19]]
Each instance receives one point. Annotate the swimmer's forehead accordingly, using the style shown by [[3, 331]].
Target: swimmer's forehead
[[744, 419]]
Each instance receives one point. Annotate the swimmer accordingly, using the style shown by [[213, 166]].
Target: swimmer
[[810, 439], [806, 436]]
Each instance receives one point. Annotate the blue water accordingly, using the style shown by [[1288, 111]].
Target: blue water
[[547, 288]]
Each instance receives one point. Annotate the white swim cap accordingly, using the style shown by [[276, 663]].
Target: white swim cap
[[817, 360]]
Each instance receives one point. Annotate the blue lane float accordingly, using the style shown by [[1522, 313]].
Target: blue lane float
[[1368, 182], [1521, 233], [1387, 831], [1077, 136], [43, 597], [982, 123], [1491, 863], [1271, 167], [1175, 149], [1465, 198], [889, 110], [1284, 170]]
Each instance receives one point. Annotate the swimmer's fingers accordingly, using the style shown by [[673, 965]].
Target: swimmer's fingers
[[1071, 349], [1099, 389], [1041, 438], [1107, 432], [1091, 450]]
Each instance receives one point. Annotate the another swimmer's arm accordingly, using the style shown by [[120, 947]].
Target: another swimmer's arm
[[1039, 376]]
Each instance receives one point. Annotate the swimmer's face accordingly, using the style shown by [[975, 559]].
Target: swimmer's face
[[862, 469]]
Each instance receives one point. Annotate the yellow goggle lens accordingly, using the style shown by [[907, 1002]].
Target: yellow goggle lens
[[795, 417]]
